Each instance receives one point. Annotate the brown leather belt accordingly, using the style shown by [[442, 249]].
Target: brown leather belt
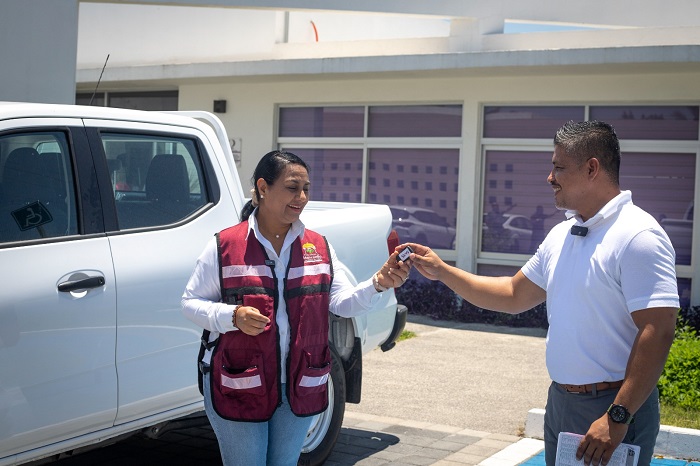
[[591, 387]]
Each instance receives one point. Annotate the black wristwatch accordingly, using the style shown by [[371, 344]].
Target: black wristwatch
[[619, 414]]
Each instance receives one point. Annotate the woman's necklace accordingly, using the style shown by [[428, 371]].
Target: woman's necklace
[[277, 236]]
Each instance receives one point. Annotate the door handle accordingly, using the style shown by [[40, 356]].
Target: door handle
[[82, 284]]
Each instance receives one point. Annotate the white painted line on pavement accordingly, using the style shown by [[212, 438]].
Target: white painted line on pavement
[[515, 454]]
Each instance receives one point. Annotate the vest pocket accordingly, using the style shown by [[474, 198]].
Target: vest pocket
[[314, 373], [243, 374]]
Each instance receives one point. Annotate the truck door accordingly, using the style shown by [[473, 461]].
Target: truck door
[[165, 211], [57, 299]]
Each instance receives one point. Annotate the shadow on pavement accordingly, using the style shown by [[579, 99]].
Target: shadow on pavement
[[198, 446], [354, 445]]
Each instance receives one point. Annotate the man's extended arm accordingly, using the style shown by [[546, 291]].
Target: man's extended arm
[[506, 294]]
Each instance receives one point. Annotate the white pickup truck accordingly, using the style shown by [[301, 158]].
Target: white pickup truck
[[103, 213]]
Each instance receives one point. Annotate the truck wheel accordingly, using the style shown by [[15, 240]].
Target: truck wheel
[[325, 427]]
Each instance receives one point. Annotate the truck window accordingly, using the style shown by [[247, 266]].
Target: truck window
[[37, 195], [156, 179]]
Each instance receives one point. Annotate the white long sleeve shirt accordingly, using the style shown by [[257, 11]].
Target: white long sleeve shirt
[[201, 301]]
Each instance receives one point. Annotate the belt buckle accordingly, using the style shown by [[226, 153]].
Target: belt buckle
[[575, 391]]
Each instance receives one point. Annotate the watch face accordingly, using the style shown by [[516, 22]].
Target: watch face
[[618, 413]]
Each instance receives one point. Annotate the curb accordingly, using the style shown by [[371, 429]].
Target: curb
[[676, 442]]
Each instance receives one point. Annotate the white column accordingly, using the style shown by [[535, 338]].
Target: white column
[[38, 49]]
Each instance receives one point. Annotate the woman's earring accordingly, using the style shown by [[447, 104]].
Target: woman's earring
[[262, 197]]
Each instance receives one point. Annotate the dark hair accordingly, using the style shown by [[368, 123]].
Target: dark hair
[[588, 139], [269, 168]]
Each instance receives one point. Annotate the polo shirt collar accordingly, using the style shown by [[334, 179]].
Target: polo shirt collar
[[608, 210]]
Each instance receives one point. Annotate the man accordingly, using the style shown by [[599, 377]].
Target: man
[[608, 276]]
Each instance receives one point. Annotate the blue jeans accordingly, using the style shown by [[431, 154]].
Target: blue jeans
[[569, 412], [276, 442]]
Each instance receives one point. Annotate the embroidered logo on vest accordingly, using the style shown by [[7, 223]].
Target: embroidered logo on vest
[[310, 254]]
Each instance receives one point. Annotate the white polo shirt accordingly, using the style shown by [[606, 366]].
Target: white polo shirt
[[625, 263]]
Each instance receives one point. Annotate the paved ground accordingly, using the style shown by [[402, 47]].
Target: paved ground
[[474, 376], [365, 439], [376, 440]]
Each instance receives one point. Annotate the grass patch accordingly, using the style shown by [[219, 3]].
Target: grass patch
[[406, 334], [679, 417]]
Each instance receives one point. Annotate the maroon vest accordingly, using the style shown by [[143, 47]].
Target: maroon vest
[[245, 379]]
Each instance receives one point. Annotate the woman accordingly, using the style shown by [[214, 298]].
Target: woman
[[262, 291]]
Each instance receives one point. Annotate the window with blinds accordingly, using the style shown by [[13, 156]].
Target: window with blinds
[[405, 156], [659, 146]]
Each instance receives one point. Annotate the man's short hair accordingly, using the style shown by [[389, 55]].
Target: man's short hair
[[588, 139]]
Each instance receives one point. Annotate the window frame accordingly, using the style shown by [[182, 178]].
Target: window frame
[[87, 209], [210, 190], [366, 145]]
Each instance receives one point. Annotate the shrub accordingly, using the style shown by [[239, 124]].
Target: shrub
[[691, 317], [427, 298], [534, 318], [679, 384]]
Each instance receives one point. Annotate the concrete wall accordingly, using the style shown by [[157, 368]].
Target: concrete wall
[[38, 41]]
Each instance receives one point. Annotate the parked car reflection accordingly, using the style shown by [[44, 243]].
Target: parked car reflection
[[680, 232], [507, 233], [424, 226]]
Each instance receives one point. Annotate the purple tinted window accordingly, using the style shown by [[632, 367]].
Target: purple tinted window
[[664, 186], [321, 122], [528, 122], [519, 210], [672, 122], [492, 270], [415, 121], [335, 174], [518, 202], [426, 215]]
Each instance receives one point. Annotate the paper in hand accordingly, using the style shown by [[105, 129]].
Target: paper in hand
[[624, 455]]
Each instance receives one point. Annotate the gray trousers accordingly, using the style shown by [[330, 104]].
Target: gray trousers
[[573, 412]]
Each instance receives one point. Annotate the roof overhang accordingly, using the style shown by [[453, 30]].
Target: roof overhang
[[643, 59]]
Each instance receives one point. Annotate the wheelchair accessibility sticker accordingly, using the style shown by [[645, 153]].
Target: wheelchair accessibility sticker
[[31, 216]]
